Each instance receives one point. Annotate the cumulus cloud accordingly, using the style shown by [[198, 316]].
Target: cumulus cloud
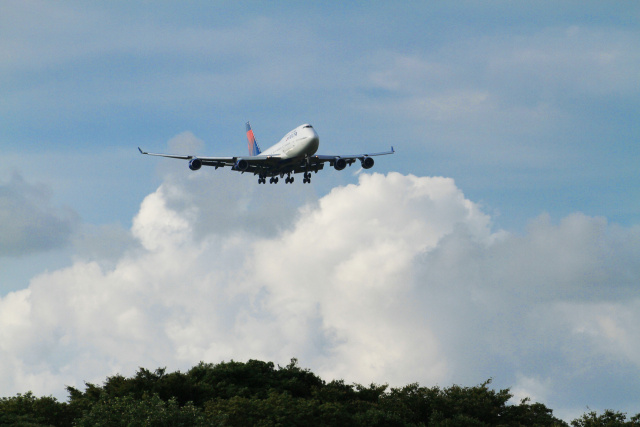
[[29, 223], [396, 278]]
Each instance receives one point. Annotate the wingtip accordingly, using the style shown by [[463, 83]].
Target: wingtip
[[140, 149]]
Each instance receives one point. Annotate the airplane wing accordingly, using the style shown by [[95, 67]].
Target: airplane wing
[[353, 156], [274, 165], [341, 161], [243, 164]]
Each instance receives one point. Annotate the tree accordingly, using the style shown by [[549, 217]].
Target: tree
[[128, 411], [458, 405], [260, 393], [28, 410], [609, 418]]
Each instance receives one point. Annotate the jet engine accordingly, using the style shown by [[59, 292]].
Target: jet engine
[[367, 163], [195, 164], [241, 165], [339, 163]]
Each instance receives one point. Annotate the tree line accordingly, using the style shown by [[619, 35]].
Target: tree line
[[258, 393]]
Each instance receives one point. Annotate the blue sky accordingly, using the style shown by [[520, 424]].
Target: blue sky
[[529, 107], [518, 120]]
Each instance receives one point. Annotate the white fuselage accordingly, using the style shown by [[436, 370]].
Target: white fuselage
[[302, 141]]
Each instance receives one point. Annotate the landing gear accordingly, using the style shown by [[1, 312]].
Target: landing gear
[[307, 174], [262, 178], [288, 179]]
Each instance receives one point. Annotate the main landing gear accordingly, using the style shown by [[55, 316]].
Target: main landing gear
[[272, 180], [262, 179]]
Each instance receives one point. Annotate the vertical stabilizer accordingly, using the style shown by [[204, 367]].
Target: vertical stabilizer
[[254, 149]]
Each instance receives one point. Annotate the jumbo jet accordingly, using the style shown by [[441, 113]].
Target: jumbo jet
[[295, 153]]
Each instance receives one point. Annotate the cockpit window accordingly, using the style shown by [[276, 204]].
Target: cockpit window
[[307, 127]]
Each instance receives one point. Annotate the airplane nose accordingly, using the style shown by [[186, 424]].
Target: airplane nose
[[314, 141], [312, 134]]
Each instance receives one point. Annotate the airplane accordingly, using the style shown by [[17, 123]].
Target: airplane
[[294, 153]]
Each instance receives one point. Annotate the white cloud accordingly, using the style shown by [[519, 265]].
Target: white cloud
[[531, 388], [397, 278], [611, 327], [28, 221]]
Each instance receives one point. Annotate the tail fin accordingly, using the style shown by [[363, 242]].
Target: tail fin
[[254, 149]]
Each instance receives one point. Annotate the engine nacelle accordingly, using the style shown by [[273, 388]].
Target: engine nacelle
[[241, 165], [195, 164], [367, 163], [339, 164]]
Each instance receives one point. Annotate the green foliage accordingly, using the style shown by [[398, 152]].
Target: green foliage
[[129, 411], [202, 383], [609, 418], [28, 410], [464, 406], [259, 393], [275, 409]]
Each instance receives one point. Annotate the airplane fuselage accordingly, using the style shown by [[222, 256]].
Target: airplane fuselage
[[300, 142]]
